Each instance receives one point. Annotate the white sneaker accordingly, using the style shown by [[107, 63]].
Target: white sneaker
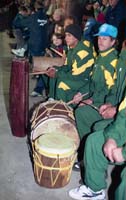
[[85, 193], [50, 99], [18, 52]]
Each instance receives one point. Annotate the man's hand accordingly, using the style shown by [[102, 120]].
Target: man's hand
[[108, 148], [51, 72], [107, 111], [86, 102], [77, 98], [117, 155]]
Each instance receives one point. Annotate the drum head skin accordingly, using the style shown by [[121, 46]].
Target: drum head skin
[[56, 144]]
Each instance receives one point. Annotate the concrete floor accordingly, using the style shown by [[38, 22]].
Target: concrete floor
[[16, 175]]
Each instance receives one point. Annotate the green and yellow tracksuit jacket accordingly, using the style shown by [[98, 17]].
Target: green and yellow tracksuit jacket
[[78, 66], [120, 83], [102, 85]]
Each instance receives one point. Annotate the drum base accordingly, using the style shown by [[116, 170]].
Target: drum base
[[52, 172], [46, 182]]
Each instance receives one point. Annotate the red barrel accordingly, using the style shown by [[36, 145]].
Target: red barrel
[[18, 101]]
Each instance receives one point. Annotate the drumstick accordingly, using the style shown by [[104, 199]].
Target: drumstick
[[37, 72], [93, 106], [57, 52], [72, 101]]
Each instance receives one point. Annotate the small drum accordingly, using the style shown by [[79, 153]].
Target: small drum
[[54, 155], [43, 63], [54, 117]]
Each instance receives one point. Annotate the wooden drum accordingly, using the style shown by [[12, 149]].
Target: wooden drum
[[54, 117], [55, 141], [54, 155], [41, 63]]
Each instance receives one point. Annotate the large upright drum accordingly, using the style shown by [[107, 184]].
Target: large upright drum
[[55, 140], [18, 97], [54, 155]]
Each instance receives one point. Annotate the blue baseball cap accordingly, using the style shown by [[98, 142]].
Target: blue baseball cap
[[107, 30]]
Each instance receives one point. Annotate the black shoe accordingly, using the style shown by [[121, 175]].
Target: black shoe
[[76, 166]]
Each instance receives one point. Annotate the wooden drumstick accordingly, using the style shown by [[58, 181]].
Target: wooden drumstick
[[37, 72], [57, 52], [93, 106], [72, 101]]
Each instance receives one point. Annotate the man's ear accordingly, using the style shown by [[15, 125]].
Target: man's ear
[[114, 41]]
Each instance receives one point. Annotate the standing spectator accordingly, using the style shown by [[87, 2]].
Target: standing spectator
[[100, 10], [38, 41], [13, 10], [20, 31], [116, 16], [75, 9], [90, 26], [115, 13], [55, 19], [37, 24]]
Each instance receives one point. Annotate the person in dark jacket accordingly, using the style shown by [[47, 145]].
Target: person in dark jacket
[[115, 12], [38, 24], [38, 40]]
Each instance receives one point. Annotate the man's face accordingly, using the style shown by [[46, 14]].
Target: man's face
[[113, 3], [71, 41], [105, 42]]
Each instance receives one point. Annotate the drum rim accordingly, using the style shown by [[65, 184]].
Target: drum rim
[[43, 149], [51, 117], [41, 105], [71, 121]]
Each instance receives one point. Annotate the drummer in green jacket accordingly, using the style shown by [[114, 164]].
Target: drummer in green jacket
[[80, 59], [78, 65], [105, 89], [102, 148]]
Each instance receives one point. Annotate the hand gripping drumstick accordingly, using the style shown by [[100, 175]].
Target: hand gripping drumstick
[[91, 105], [72, 101]]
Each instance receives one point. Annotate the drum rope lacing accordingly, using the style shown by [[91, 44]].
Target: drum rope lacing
[[36, 117], [38, 163]]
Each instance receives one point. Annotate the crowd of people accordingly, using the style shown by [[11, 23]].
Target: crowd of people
[[92, 45]]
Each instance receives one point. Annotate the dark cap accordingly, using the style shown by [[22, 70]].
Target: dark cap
[[75, 30]]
